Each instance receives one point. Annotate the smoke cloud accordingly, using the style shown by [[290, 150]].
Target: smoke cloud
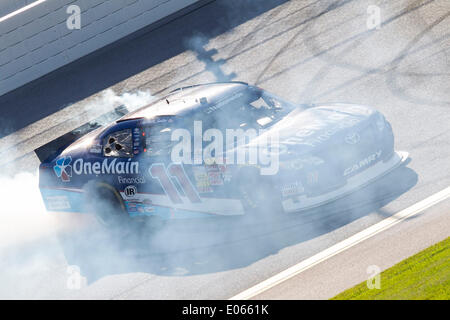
[[36, 248], [30, 236]]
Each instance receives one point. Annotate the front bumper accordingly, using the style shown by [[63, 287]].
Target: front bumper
[[378, 170]]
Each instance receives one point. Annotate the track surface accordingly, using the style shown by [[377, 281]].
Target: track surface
[[305, 51]]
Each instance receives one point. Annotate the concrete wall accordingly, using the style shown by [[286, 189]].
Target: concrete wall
[[38, 41]]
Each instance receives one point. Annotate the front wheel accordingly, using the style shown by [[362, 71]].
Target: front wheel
[[259, 195]]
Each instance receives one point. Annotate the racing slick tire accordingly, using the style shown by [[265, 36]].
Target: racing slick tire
[[259, 196], [106, 204]]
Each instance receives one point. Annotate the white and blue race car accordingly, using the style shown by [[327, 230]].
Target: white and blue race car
[[219, 149]]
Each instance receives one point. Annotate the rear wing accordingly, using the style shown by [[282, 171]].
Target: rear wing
[[52, 149]]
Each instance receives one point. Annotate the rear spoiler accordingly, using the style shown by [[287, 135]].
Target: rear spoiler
[[52, 149]]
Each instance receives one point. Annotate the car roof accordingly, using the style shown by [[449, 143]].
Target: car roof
[[184, 100]]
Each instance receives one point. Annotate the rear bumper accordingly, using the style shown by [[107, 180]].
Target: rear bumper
[[63, 200], [359, 180]]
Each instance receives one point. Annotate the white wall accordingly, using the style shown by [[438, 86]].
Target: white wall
[[37, 41]]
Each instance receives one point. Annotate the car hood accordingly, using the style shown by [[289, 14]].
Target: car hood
[[305, 131]]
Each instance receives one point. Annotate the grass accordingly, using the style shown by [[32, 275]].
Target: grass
[[424, 276]]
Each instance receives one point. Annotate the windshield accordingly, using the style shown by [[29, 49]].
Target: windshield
[[245, 109], [252, 108]]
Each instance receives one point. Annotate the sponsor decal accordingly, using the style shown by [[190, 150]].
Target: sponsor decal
[[363, 163], [312, 177], [131, 180], [315, 134], [107, 166], [134, 207], [148, 209], [292, 189], [147, 201], [136, 141], [96, 148], [63, 169], [202, 180], [130, 191], [215, 174], [352, 138], [161, 119], [210, 175], [57, 203], [298, 164]]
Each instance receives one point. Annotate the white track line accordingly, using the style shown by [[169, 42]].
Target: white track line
[[344, 245], [23, 9]]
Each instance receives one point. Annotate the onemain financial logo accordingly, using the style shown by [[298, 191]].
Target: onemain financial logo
[[64, 169]]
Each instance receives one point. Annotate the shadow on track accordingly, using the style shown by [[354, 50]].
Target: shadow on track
[[214, 245], [124, 59]]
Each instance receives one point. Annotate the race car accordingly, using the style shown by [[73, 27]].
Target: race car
[[219, 149]]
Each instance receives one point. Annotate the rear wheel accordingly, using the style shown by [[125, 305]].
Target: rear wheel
[[106, 204]]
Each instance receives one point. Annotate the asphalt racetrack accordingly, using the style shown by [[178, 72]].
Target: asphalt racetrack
[[304, 51]]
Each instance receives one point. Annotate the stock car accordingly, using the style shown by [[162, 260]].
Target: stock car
[[219, 149]]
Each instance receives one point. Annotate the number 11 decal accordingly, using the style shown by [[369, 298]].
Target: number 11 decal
[[159, 171]]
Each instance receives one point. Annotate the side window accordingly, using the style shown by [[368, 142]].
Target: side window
[[118, 144], [158, 140]]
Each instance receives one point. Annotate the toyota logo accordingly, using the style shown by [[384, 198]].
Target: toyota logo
[[352, 138]]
